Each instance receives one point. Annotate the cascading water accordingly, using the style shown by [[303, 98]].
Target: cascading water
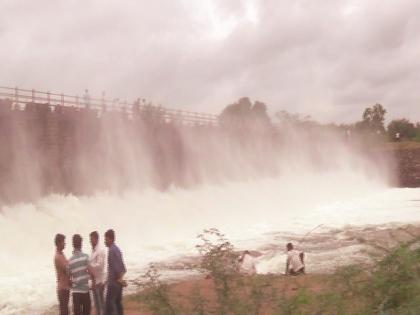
[[159, 189]]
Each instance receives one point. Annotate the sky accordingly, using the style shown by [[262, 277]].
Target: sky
[[328, 58]]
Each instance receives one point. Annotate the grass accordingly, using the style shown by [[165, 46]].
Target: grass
[[390, 286], [403, 145]]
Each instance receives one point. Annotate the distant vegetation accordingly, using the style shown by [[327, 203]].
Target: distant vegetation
[[372, 123], [245, 112]]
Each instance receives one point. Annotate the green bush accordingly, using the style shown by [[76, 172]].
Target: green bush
[[417, 137], [156, 294]]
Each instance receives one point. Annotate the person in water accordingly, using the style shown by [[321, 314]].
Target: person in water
[[247, 264], [116, 271], [295, 264], [97, 263], [80, 272], [63, 279]]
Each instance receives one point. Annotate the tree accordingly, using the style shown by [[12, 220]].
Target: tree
[[373, 118], [404, 127], [259, 112], [243, 112]]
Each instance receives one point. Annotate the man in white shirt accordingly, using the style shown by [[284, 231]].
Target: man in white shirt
[[97, 263], [295, 264]]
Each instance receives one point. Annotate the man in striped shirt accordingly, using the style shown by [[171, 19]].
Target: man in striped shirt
[[80, 273]]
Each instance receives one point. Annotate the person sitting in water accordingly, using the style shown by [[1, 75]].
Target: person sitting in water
[[247, 264], [295, 263]]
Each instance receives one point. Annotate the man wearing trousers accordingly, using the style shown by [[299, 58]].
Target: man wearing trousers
[[116, 271], [63, 280], [80, 272], [97, 264]]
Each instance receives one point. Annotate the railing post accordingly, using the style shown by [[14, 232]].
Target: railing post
[[77, 101], [86, 98], [33, 95], [16, 97], [103, 99], [62, 99], [49, 97]]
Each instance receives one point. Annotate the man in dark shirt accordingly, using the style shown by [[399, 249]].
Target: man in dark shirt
[[116, 271]]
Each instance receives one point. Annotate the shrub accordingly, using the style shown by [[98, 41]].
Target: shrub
[[156, 294], [390, 286]]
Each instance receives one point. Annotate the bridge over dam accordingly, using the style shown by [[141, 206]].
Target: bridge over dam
[[58, 143], [33, 100]]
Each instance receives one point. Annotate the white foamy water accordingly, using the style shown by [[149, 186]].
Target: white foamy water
[[153, 226]]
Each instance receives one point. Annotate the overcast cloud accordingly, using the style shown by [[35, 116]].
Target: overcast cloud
[[326, 58]]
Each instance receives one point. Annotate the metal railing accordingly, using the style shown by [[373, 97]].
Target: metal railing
[[19, 98]]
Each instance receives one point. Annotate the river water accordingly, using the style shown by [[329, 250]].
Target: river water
[[154, 226]]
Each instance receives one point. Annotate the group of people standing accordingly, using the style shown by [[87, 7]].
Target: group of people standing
[[84, 273]]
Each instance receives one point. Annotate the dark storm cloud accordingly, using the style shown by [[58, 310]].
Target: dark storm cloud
[[326, 58]]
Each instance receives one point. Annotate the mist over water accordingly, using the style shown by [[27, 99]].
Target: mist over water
[[160, 187], [64, 150]]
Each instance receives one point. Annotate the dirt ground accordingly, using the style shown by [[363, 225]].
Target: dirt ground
[[289, 285]]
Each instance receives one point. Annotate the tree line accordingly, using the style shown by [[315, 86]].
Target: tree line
[[244, 113]]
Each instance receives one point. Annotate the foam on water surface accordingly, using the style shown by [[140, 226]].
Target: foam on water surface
[[156, 226]]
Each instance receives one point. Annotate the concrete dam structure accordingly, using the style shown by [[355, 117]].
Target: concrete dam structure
[[60, 144]]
